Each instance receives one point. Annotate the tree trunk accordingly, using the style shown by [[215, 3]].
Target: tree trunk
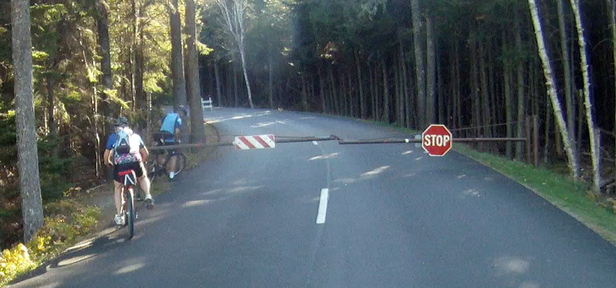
[[475, 88], [192, 67], [218, 83], [406, 89], [322, 89], [27, 154], [509, 108], [430, 73], [246, 81], [350, 95], [139, 58], [398, 94], [521, 103], [270, 82], [612, 8], [440, 91], [548, 125], [568, 78], [360, 85], [51, 123], [177, 64], [550, 83], [386, 116], [594, 146], [456, 79], [420, 69], [404, 122], [334, 94], [304, 93], [105, 54], [484, 98], [235, 85], [375, 97]]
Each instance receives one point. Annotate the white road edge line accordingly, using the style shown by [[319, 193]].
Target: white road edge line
[[323, 206]]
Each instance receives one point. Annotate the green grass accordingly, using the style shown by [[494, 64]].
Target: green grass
[[571, 197]]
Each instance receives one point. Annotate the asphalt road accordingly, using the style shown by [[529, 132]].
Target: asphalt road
[[320, 214]]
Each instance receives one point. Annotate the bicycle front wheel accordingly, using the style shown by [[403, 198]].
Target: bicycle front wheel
[[180, 163], [130, 213]]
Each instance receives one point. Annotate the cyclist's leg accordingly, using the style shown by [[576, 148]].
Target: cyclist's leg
[[160, 154], [144, 183], [117, 196], [172, 162]]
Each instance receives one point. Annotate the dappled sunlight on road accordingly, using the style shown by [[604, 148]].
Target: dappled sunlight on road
[[461, 176], [242, 181], [328, 156], [206, 193], [375, 172], [196, 203], [346, 181], [263, 124], [137, 264], [418, 158], [52, 285], [511, 265], [470, 193], [75, 259], [529, 285], [407, 152], [243, 189], [237, 117], [512, 268], [149, 219]]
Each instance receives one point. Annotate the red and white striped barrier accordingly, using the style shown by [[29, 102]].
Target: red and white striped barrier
[[254, 142]]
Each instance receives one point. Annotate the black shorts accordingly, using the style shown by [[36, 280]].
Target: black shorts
[[136, 166], [164, 137], [172, 152]]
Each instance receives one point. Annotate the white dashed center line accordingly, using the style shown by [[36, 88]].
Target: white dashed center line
[[323, 206]]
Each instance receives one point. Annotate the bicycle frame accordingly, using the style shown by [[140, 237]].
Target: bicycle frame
[[160, 161], [129, 180]]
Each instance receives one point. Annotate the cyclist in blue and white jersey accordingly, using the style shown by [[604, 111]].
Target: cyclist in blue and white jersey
[[171, 129]]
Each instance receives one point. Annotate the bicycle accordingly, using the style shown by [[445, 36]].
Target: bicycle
[[128, 179], [158, 168]]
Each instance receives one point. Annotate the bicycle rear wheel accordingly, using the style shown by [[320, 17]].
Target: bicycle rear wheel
[[153, 170], [180, 163], [130, 213]]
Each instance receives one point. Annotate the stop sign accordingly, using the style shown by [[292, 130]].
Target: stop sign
[[436, 140]]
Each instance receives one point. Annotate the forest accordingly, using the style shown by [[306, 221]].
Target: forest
[[481, 67]]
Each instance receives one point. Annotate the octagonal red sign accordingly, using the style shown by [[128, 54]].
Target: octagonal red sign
[[436, 140]]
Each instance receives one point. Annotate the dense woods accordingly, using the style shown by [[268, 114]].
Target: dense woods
[[481, 67]]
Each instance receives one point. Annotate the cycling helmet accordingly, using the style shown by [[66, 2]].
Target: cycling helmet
[[121, 121], [182, 108]]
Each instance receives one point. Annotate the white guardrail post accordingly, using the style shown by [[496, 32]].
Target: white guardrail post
[[207, 103]]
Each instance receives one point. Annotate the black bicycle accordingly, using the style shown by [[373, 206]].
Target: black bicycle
[[158, 166], [128, 179]]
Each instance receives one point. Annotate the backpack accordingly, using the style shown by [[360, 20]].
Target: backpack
[[125, 150]]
